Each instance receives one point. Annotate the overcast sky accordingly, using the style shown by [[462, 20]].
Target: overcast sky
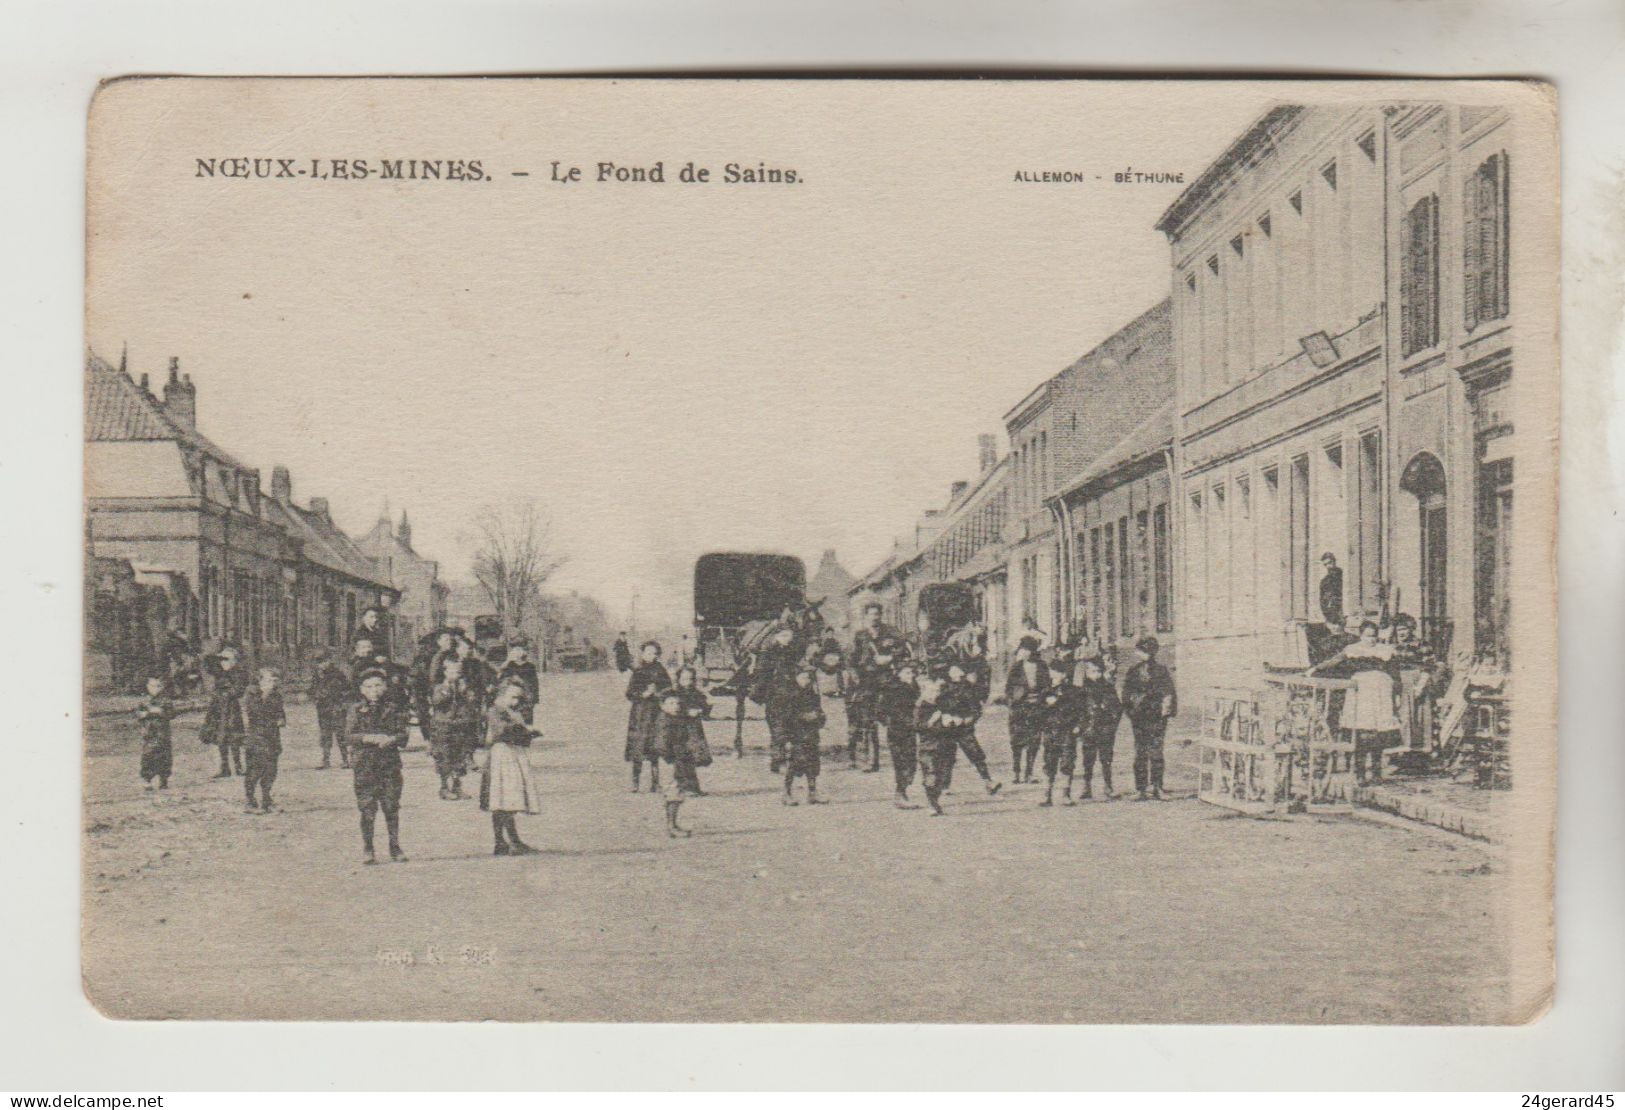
[[668, 369]]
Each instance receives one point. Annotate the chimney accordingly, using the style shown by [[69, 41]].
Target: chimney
[[281, 484], [318, 505], [146, 385], [180, 395], [987, 452], [404, 532]]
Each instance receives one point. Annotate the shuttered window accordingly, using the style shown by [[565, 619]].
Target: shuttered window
[[1484, 242], [1419, 283]]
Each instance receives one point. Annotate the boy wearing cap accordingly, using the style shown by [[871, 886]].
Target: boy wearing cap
[[1149, 700], [265, 719], [332, 691], [1024, 690], [223, 724], [895, 709], [805, 711], [377, 728], [1100, 715], [1059, 727]]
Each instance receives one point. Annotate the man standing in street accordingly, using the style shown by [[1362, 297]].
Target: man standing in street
[[875, 649], [1148, 701], [623, 654]]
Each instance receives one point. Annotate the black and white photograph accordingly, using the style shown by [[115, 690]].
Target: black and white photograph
[[852, 551]]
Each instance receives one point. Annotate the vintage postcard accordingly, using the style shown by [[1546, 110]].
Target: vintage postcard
[[663, 550]]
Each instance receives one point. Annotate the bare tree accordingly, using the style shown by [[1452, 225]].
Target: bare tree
[[513, 558]]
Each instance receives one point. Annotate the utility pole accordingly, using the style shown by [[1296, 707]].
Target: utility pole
[[634, 620]]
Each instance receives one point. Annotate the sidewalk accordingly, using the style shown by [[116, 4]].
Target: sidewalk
[[1455, 806]]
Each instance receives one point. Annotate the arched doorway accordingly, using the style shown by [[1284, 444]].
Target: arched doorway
[[1423, 479]]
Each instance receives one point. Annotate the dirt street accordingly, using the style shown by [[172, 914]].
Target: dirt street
[[855, 911]]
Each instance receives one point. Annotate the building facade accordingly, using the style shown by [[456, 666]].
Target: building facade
[[423, 596], [1281, 443], [1344, 331], [215, 558], [1452, 336]]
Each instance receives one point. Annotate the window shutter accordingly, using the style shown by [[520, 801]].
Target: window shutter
[[1503, 242], [1472, 220]]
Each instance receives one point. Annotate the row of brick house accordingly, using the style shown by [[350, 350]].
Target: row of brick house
[[185, 550], [1330, 374]]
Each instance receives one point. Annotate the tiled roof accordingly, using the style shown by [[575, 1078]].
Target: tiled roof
[[324, 544], [116, 408]]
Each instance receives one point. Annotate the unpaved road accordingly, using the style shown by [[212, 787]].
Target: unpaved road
[[855, 911]]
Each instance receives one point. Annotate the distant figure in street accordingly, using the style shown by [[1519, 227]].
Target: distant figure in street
[[508, 787], [1149, 700], [457, 715], [333, 693], [1059, 726], [1331, 592], [377, 727], [265, 720], [1024, 691], [875, 650], [644, 687], [155, 712], [223, 722], [1101, 714], [899, 693], [806, 719], [623, 654]]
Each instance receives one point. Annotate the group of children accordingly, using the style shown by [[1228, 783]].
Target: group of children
[[666, 724], [365, 707]]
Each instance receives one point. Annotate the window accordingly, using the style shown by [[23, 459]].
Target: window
[[1218, 546], [1269, 545], [1296, 201], [1264, 224], [1164, 568], [1196, 563], [1244, 555], [1370, 521], [1235, 245], [1484, 242], [1419, 278], [1329, 173], [1368, 145], [1142, 569], [1298, 538], [1113, 629], [1094, 580], [1125, 578]]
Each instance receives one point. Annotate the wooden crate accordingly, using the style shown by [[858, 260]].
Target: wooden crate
[[1302, 714], [1240, 767]]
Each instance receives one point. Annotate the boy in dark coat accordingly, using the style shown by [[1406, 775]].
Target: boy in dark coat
[[223, 723], [265, 718], [1059, 728], [962, 699], [1102, 711], [456, 714], [933, 729], [377, 728], [519, 668], [895, 709], [1149, 700], [333, 692], [644, 688], [157, 753], [1024, 691], [805, 710]]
